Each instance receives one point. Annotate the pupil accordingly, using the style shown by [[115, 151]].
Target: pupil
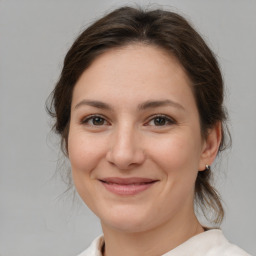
[[98, 121], [159, 121]]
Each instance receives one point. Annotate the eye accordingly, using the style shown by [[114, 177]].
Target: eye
[[160, 120], [95, 120]]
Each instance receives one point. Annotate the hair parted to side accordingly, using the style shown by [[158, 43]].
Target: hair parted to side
[[171, 32]]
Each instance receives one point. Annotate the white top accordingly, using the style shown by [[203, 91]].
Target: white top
[[208, 243]]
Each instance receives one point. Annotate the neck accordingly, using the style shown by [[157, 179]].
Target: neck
[[156, 241]]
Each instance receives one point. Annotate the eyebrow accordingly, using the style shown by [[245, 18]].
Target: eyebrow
[[94, 103], [159, 103], [143, 106]]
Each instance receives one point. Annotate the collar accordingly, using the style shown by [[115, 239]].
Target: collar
[[211, 242]]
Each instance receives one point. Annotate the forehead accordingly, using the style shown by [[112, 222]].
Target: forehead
[[133, 71]]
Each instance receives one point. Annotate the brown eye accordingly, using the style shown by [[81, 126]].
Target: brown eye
[[160, 120], [98, 121], [94, 121]]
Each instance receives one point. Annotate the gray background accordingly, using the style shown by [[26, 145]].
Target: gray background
[[35, 218]]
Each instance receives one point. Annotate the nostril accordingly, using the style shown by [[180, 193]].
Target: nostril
[[125, 159]]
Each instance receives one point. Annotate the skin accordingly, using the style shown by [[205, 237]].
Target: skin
[[128, 138]]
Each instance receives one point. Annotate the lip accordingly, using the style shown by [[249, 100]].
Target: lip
[[127, 186]]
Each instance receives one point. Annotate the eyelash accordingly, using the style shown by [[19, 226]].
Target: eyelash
[[86, 120], [167, 120]]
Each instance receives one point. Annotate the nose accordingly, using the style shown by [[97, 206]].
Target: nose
[[125, 150]]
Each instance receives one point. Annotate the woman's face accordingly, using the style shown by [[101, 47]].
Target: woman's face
[[135, 144]]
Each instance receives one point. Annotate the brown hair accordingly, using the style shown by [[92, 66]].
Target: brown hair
[[171, 32]]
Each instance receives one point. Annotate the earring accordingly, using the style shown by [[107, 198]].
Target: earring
[[207, 167]]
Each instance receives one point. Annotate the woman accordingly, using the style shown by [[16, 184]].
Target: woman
[[139, 107]]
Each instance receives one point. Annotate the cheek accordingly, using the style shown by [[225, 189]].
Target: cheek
[[177, 153], [84, 152], [178, 158]]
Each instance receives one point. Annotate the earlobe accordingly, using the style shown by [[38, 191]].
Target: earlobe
[[211, 146]]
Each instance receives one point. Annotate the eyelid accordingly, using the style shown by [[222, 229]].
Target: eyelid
[[169, 119], [86, 119]]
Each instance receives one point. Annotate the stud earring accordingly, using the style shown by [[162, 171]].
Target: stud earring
[[207, 167]]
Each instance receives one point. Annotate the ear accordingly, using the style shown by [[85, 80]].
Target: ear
[[210, 146]]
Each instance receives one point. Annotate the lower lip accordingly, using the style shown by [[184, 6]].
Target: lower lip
[[127, 190]]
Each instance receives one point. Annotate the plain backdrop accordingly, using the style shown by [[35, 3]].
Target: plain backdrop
[[36, 218]]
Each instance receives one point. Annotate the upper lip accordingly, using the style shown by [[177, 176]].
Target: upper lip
[[127, 181]]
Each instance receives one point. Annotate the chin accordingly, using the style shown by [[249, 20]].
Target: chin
[[127, 221]]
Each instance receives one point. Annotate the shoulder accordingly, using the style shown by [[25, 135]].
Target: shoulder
[[95, 248], [209, 243], [224, 247], [233, 250], [219, 245]]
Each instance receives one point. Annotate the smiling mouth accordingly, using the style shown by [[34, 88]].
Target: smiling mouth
[[127, 186]]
